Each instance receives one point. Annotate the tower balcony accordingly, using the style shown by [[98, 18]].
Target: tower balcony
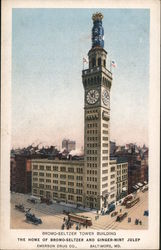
[[96, 69]]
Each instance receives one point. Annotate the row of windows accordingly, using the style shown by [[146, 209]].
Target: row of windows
[[55, 195], [92, 145], [105, 151], [92, 138], [105, 185], [105, 132], [91, 111], [92, 80], [92, 125], [91, 186], [105, 138], [92, 165], [112, 176], [61, 189], [92, 132], [104, 158], [91, 192], [112, 169], [104, 171], [105, 125], [91, 172], [71, 177], [91, 151], [104, 165], [112, 188], [91, 179], [105, 178], [112, 196], [55, 168], [91, 158], [112, 182]]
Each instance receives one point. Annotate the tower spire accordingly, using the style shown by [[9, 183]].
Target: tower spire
[[97, 30]]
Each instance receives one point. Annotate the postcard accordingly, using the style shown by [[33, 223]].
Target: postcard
[[80, 124]]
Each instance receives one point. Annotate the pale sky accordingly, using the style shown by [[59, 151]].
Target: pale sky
[[47, 92]]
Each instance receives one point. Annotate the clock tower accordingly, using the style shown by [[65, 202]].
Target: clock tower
[[97, 80]]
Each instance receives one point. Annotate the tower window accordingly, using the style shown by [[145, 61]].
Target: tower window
[[93, 62], [99, 61], [104, 63]]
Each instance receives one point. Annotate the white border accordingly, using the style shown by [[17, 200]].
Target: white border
[[150, 237]]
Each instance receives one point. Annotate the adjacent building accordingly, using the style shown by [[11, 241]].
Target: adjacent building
[[137, 159], [68, 145], [122, 179], [60, 180], [20, 174]]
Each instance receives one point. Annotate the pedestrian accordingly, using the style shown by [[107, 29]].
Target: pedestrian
[[64, 219], [120, 210], [129, 219], [77, 227], [140, 222], [86, 226]]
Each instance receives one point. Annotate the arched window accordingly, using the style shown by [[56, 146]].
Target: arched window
[[104, 63], [99, 61], [93, 62]]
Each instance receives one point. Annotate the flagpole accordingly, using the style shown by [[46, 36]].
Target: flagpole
[[83, 64], [110, 66]]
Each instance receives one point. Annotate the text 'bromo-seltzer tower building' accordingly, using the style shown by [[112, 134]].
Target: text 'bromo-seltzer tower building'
[[97, 82], [97, 181]]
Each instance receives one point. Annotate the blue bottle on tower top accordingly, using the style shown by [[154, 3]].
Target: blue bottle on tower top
[[97, 31]]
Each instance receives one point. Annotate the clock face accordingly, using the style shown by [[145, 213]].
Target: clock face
[[92, 96], [105, 97]]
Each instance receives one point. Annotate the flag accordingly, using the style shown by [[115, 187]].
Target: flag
[[85, 60], [113, 64]]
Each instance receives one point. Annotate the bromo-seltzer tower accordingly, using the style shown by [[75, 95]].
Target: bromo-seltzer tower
[[97, 80]]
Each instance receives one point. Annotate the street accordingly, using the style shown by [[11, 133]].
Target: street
[[52, 215]]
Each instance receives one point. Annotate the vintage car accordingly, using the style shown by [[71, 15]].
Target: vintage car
[[114, 213], [20, 207], [32, 218], [120, 217]]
